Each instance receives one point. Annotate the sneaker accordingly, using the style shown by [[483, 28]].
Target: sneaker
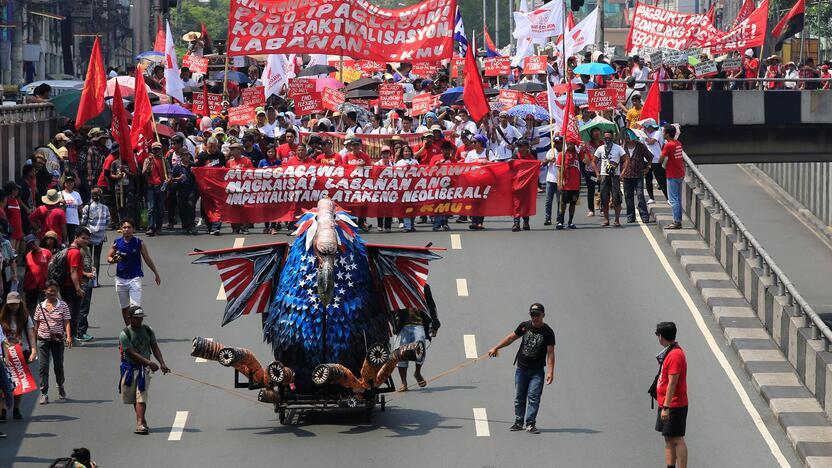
[[169, 227], [379, 229], [388, 229], [61, 393], [650, 201], [16, 414], [445, 227], [85, 338], [559, 226], [526, 227], [44, 399], [516, 427], [266, 230], [461, 219], [244, 231], [590, 214], [548, 222], [214, 233], [532, 429], [516, 227], [572, 226], [199, 223], [674, 225]]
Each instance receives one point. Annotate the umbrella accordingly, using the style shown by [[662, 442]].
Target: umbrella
[[599, 123], [60, 76], [323, 83], [563, 87], [151, 55], [172, 111], [363, 83], [126, 83], [66, 104], [491, 92], [364, 115], [233, 75], [315, 70], [164, 130], [529, 87], [361, 94], [577, 98], [451, 95], [524, 110], [594, 68]]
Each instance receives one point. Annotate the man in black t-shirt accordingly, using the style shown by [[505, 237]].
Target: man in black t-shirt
[[537, 350]]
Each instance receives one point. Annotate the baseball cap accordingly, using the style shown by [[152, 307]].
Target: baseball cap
[[155, 145], [31, 238], [136, 311], [259, 111], [481, 138], [435, 128], [13, 298], [537, 307], [385, 148]]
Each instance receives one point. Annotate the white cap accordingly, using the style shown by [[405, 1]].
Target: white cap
[[749, 53]]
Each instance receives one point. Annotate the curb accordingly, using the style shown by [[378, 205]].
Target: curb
[[773, 346]]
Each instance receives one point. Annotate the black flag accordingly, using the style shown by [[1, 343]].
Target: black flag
[[790, 25]]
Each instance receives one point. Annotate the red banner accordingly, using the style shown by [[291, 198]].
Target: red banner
[[602, 99], [423, 103], [214, 103], [309, 104], [390, 96], [354, 28], [332, 98], [195, 63], [621, 90], [19, 369], [370, 143], [457, 67], [241, 115], [280, 193], [371, 65], [254, 96], [497, 66], [535, 65], [299, 87], [511, 98]]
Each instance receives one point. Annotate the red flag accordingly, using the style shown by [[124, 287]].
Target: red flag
[[570, 131], [652, 103], [159, 43], [570, 24], [790, 25], [711, 14], [746, 9], [121, 131], [141, 134], [206, 40], [473, 94], [92, 97]]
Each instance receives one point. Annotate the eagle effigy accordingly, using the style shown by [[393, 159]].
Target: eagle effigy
[[327, 302]]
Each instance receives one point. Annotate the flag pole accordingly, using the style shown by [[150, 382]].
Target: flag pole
[[568, 91], [224, 83]]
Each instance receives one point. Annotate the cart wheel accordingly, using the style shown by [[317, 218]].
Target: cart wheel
[[282, 416], [383, 403]]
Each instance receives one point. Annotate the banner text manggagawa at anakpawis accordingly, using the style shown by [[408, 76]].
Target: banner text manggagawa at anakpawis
[[281, 193], [354, 28]]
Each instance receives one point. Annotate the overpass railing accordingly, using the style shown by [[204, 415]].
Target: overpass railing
[[747, 241], [24, 113]]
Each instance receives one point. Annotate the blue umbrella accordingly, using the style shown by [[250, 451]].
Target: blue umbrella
[[451, 95], [151, 55], [577, 98], [173, 111], [233, 75], [524, 110], [594, 68]]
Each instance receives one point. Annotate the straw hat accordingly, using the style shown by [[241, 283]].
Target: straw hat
[[774, 58], [52, 197], [191, 36]]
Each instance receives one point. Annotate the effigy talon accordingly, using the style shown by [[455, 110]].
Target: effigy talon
[[377, 355], [280, 374], [228, 357], [337, 374], [409, 352], [268, 395], [205, 348], [241, 359]]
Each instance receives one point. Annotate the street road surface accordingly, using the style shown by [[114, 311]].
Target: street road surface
[[604, 290]]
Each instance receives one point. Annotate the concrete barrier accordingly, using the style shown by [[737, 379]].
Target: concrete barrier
[[22, 129]]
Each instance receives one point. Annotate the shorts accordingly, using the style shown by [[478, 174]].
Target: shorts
[[570, 196], [129, 291], [610, 186], [131, 394], [675, 424], [409, 334]]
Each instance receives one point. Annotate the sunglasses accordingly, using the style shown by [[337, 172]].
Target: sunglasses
[[535, 313]]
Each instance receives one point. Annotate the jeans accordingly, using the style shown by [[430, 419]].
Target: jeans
[[155, 205], [408, 223], [439, 221], [84, 311], [72, 300], [589, 178], [552, 194], [657, 171], [96, 257], [635, 187], [528, 385], [6, 386], [674, 197], [185, 206], [171, 203], [385, 223], [55, 351]]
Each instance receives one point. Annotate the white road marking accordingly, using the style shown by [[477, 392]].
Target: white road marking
[[199, 359], [238, 242], [720, 356], [481, 423], [178, 426], [462, 287], [470, 342], [456, 242]]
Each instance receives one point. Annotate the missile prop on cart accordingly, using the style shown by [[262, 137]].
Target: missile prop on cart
[[328, 300]]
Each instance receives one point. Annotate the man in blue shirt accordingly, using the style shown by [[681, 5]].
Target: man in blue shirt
[[127, 253]]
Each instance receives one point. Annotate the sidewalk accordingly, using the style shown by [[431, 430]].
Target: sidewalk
[[799, 251]]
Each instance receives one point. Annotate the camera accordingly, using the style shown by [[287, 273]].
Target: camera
[[118, 256]]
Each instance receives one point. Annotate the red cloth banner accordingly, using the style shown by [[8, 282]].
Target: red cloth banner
[[300, 86], [309, 104], [241, 115], [214, 102], [390, 96], [497, 66], [748, 33], [332, 98], [281, 193], [22, 377], [370, 65], [195, 64], [534, 65], [254, 96], [602, 99], [354, 28], [621, 90], [371, 143], [422, 104]]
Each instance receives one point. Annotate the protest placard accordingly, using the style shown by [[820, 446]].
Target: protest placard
[[732, 65], [254, 96], [332, 98], [705, 69], [602, 99], [308, 104], [508, 98], [656, 58], [391, 96], [214, 104], [195, 63], [457, 67], [300, 86], [422, 104], [534, 65], [424, 69], [497, 66], [676, 57], [241, 115], [620, 88]]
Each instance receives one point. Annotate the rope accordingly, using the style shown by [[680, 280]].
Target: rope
[[218, 387]]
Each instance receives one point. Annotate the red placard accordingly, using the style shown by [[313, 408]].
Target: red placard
[[280, 193], [620, 88], [214, 104], [422, 104], [309, 104], [22, 377], [332, 98], [542, 100], [195, 63], [300, 86], [508, 98], [254, 96], [497, 66], [365, 103], [353, 28], [602, 99], [525, 98], [390, 96], [457, 66], [535, 65], [370, 65], [241, 115], [424, 69]]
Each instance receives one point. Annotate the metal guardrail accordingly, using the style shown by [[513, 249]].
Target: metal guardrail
[[784, 286], [24, 113]]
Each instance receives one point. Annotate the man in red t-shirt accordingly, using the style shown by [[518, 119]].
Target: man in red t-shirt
[[287, 150], [570, 190], [355, 156], [674, 165], [50, 216], [73, 289], [672, 396]]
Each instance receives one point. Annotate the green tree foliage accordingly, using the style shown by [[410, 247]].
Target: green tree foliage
[[190, 14]]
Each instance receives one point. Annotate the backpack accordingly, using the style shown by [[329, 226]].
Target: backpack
[[654, 387], [63, 462], [57, 269]]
